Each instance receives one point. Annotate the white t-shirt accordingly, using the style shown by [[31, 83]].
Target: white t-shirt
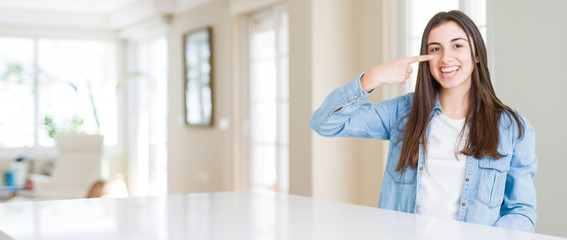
[[439, 191]]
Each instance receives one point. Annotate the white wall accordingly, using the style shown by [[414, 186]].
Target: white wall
[[371, 152], [330, 43], [300, 86], [529, 53], [346, 42], [334, 43], [200, 157]]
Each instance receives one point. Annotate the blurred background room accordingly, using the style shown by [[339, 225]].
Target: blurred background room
[[115, 98]]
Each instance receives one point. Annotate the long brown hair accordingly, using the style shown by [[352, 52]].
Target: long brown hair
[[484, 110]]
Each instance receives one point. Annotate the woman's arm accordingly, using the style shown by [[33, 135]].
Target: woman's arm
[[343, 112], [518, 208], [395, 72]]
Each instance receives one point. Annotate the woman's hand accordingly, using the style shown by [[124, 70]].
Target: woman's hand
[[395, 72]]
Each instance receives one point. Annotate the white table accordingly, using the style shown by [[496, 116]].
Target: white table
[[229, 215]]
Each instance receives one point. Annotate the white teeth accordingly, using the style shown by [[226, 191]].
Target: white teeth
[[450, 69]]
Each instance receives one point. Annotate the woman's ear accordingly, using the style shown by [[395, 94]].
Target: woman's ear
[[476, 59]]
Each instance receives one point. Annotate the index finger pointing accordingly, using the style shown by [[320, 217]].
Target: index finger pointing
[[420, 58]]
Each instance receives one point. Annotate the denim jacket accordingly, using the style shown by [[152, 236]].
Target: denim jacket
[[499, 192]]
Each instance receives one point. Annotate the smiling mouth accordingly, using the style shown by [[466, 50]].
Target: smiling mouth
[[449, 71]]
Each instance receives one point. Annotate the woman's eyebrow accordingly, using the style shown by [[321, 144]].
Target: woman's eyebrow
[[454, 39]]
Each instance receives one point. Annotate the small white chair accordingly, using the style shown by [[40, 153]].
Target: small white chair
[[76, 169]]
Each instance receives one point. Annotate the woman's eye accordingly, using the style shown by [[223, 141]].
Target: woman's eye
[[458, 46], [436, 49]]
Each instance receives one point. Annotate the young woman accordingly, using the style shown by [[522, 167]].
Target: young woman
[[456, 151]]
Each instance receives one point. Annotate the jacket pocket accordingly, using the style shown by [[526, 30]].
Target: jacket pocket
[[492, 180], [407, 177]]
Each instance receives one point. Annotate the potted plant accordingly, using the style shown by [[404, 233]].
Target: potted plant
[[69, 135], [75, 123]]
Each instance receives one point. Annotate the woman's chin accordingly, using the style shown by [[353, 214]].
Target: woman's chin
[[451, 83]]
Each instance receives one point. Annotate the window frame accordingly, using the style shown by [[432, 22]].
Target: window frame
[[245, 179]]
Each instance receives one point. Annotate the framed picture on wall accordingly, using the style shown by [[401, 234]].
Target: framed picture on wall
[[198, 69]]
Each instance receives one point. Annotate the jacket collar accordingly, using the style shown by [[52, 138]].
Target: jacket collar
[[437, 107]]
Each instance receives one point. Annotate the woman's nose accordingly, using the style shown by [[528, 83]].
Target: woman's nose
[[447, 56]]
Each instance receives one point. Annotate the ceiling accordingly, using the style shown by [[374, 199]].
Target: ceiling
[[85, 6], [86, 14]]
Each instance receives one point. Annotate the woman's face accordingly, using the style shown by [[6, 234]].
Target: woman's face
[[451, 65]]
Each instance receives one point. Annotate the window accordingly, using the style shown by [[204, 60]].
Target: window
[[147, 116], [269, 100], [61, 78], [17, 102], [420, 11]]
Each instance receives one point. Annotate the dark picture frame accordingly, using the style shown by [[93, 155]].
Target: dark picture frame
[[198, 77]]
